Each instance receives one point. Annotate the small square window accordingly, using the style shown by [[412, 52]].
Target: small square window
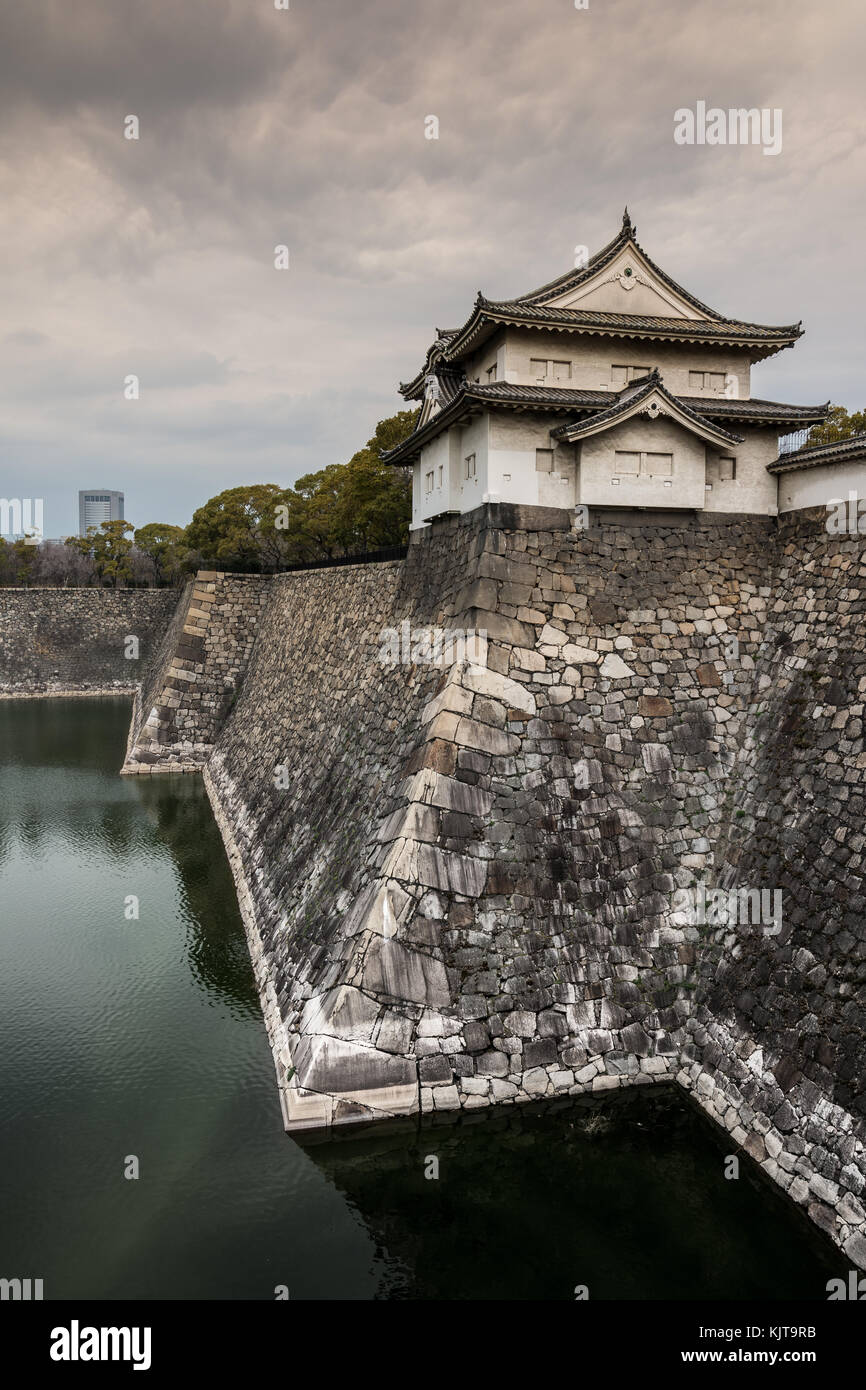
[[538, 368], [562, 371], [544, 460], [628, 463], [491, 373], [659, 465], [469, 466], [441, 466], [619, 375], [429, 481], [727, 469], [696, 381]]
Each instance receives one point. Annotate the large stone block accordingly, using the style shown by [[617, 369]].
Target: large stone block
[[392, 969]]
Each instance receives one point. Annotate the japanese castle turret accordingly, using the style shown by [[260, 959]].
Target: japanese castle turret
[[611, 387]]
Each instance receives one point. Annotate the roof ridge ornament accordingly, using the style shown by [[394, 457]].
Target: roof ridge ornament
[[627, 226]]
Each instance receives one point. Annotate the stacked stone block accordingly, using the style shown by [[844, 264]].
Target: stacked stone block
[[74, 641], [465, 893], [191, 686]]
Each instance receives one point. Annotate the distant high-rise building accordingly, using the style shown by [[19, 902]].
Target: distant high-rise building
[[98, 504]]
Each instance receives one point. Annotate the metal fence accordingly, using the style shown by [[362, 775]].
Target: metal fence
[[790, 443]]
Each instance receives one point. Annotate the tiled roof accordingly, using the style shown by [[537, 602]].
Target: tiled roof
[[507, 391], [757, 410], [548, 398], [414, 389], [657, 325], [579, 402], [450, 383], [839, 451]]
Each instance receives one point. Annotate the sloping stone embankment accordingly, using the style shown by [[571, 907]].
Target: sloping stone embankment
[[777, 1048], [465, 884]]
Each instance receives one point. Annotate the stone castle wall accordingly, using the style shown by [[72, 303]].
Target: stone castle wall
[[777, 1040], [463, 883], [466, 887], [193, 681], [74, 640]]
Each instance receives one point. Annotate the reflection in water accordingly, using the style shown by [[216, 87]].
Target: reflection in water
[[624, 1195], [180, 817], [144, 1037]]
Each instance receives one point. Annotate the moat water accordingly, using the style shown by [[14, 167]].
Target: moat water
[[126, 1038]]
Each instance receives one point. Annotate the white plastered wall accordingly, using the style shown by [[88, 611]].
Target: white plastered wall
[[684, 488], [513, 472], [449, 451], [821, 486], [593, 357], [753, 489]]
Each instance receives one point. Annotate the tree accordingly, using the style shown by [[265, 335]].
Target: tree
[[110, 547], [362, 505], [237, 529], [59, 566], [838, 425], [313, 502], [376, 497], [165, 548], [16, 562]]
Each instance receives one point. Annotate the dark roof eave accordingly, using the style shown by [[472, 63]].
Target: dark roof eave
[[563, 400], [758, 412], [772, 340], [473, 397]]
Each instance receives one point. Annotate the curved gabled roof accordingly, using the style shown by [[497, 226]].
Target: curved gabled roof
[[633, 401], [534, 310], [573, 279], [414, 389]]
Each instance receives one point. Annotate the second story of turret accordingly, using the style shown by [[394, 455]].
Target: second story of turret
[[598, 327]]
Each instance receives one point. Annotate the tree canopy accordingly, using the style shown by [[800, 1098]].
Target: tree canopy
[[344, 509], [838, 425], [109, 546]]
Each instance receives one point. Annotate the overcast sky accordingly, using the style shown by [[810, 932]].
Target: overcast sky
[[306, 127]]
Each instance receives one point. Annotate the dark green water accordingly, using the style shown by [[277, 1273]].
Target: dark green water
[[121, 1037]]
